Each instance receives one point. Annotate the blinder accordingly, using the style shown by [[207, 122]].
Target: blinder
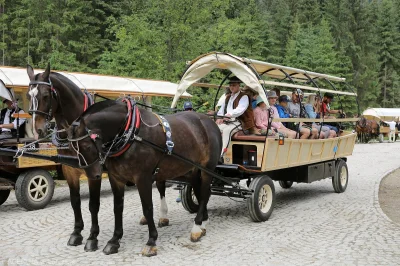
[[35, 103]]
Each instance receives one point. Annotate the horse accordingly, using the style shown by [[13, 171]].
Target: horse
[[54, 95], [366, 129], [148, 156]]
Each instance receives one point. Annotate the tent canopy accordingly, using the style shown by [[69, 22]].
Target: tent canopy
[[386, 114], [17, 79], [249, 71]]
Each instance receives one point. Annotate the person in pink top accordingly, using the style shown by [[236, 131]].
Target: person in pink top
[[261, 116]]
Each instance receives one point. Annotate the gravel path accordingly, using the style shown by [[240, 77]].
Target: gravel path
[[311, 225]]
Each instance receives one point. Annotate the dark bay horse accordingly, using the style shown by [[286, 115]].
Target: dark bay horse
[[366, 129], [196, 138], [54, 95]]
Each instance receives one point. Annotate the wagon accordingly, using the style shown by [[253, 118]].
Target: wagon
[[253, 162], [380, 115], [32, 178]]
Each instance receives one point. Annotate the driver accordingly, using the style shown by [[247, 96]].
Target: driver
[[237, 105], [8, 124]]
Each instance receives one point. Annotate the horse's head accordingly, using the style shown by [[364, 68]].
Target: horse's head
[[43, 100], [87, 144]]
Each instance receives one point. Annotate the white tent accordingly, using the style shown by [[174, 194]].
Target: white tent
[[17, 79]]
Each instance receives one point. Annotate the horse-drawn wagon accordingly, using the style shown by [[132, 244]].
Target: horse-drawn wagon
[[284, 160], [373, 122], [32, 178]]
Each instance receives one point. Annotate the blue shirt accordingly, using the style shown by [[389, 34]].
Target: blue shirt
[[254, 104], [310, 111], [283, 113]]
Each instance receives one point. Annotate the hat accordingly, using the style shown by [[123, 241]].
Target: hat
[[187, 105], [234, 79], [283, 98], [6, 100], [298, 91], [329, 95], [259, 100], [272, 94]]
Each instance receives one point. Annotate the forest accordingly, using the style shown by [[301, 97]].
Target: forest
[[355, 39]]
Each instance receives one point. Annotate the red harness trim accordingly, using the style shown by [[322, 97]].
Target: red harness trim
[[86, 102], [137, 125]]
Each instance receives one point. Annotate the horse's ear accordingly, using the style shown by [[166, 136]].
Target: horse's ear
[[46, 73], [30, 71]]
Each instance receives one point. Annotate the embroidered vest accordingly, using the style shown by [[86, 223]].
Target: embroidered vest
[[11, 119], [247, 118]]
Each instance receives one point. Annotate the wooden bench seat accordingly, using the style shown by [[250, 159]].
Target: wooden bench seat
[[240, 136]]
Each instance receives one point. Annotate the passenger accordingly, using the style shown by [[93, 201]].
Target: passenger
[[236, 105], [310, 107], [8, 124], [282, 108], [326, 111], [261, 115], [252, 94], [294, 109]]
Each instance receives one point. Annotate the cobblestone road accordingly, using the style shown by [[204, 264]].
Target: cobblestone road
[[311, 225]]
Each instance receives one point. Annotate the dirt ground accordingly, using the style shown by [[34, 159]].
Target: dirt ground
[[389, 196]]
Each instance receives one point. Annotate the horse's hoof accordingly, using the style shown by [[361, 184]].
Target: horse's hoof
[[111, 249], [195, 237], [143, 221], [203, 231], [163, 222], [91, 245], [75, 240], [149, 251]]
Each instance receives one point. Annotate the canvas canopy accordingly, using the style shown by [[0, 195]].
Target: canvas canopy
[[249, 71], [17, 79], [386, 114]]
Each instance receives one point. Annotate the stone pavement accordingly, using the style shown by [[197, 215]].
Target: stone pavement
[[311, 225]]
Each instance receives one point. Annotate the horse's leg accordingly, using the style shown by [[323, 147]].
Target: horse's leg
[[72, 176], [201, 219], [196, 184], [163, 221], [94, 206], [118, 189], [144, 186]]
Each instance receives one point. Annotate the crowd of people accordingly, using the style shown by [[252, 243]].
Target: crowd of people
[[243, 109]]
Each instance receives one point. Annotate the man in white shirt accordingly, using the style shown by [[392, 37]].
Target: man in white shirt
[[392, 132], [237, 112], [8, 124]]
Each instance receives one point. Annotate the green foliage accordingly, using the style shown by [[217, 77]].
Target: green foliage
[[355, 39]]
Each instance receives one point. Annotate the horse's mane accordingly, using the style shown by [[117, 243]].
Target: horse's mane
[[99, 107]]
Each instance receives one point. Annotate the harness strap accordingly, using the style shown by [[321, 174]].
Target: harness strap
[[167, 130]]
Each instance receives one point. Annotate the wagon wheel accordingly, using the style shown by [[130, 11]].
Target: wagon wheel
[[286, 184], [341, 177], [4, 196], [261, 203], [189, 200], [34, 189]]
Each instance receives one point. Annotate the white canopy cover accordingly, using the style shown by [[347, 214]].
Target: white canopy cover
[[17, 77], [249, 71], [387, 114], [204, 65]]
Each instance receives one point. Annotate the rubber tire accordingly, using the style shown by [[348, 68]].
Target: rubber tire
[[22, 194], [252, 202], [380, 138], [337, 185], [187, 200], [4, 195], [286, 184]]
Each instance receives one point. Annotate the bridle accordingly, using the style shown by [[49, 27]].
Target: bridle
[[34, 103]]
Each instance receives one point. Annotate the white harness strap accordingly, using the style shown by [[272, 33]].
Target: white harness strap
[[34, 105]]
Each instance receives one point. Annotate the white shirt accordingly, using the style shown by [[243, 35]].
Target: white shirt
[[7, 120], [221, 100], [240, 109], [392, 125]]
